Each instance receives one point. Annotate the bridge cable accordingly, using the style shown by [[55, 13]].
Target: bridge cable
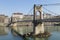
[[50, 11], [55, 4], [30, 11]]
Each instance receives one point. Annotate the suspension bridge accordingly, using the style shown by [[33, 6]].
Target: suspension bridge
[[38, 25]]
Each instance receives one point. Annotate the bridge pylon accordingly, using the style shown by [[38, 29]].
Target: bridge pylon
[[38, 27]]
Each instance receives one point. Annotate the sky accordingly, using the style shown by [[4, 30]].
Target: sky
[[8, 7]]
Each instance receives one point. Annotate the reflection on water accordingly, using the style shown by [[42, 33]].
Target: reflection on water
[[52, 28], [9, 35], [41, 38], [26, 29], [55, 34], [3, 30]]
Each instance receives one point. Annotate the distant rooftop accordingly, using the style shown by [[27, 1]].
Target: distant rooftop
[[28, 15], [18, 13], [3, 15], [57, 16]]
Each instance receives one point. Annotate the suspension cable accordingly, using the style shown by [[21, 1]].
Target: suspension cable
[[30, 11], [50, 11], [55, 4]]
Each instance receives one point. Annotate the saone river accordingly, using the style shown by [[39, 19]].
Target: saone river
[[55, 35]]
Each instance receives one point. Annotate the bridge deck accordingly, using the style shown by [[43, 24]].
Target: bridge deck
[[42, 20]]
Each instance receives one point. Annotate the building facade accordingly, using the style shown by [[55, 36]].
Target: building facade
[[17, 16], [4, 20], [46, 15]]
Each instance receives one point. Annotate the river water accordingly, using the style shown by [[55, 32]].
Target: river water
[[55, 35], [9, 36]]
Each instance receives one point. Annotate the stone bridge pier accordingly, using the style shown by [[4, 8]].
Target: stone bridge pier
[[39, 29]]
